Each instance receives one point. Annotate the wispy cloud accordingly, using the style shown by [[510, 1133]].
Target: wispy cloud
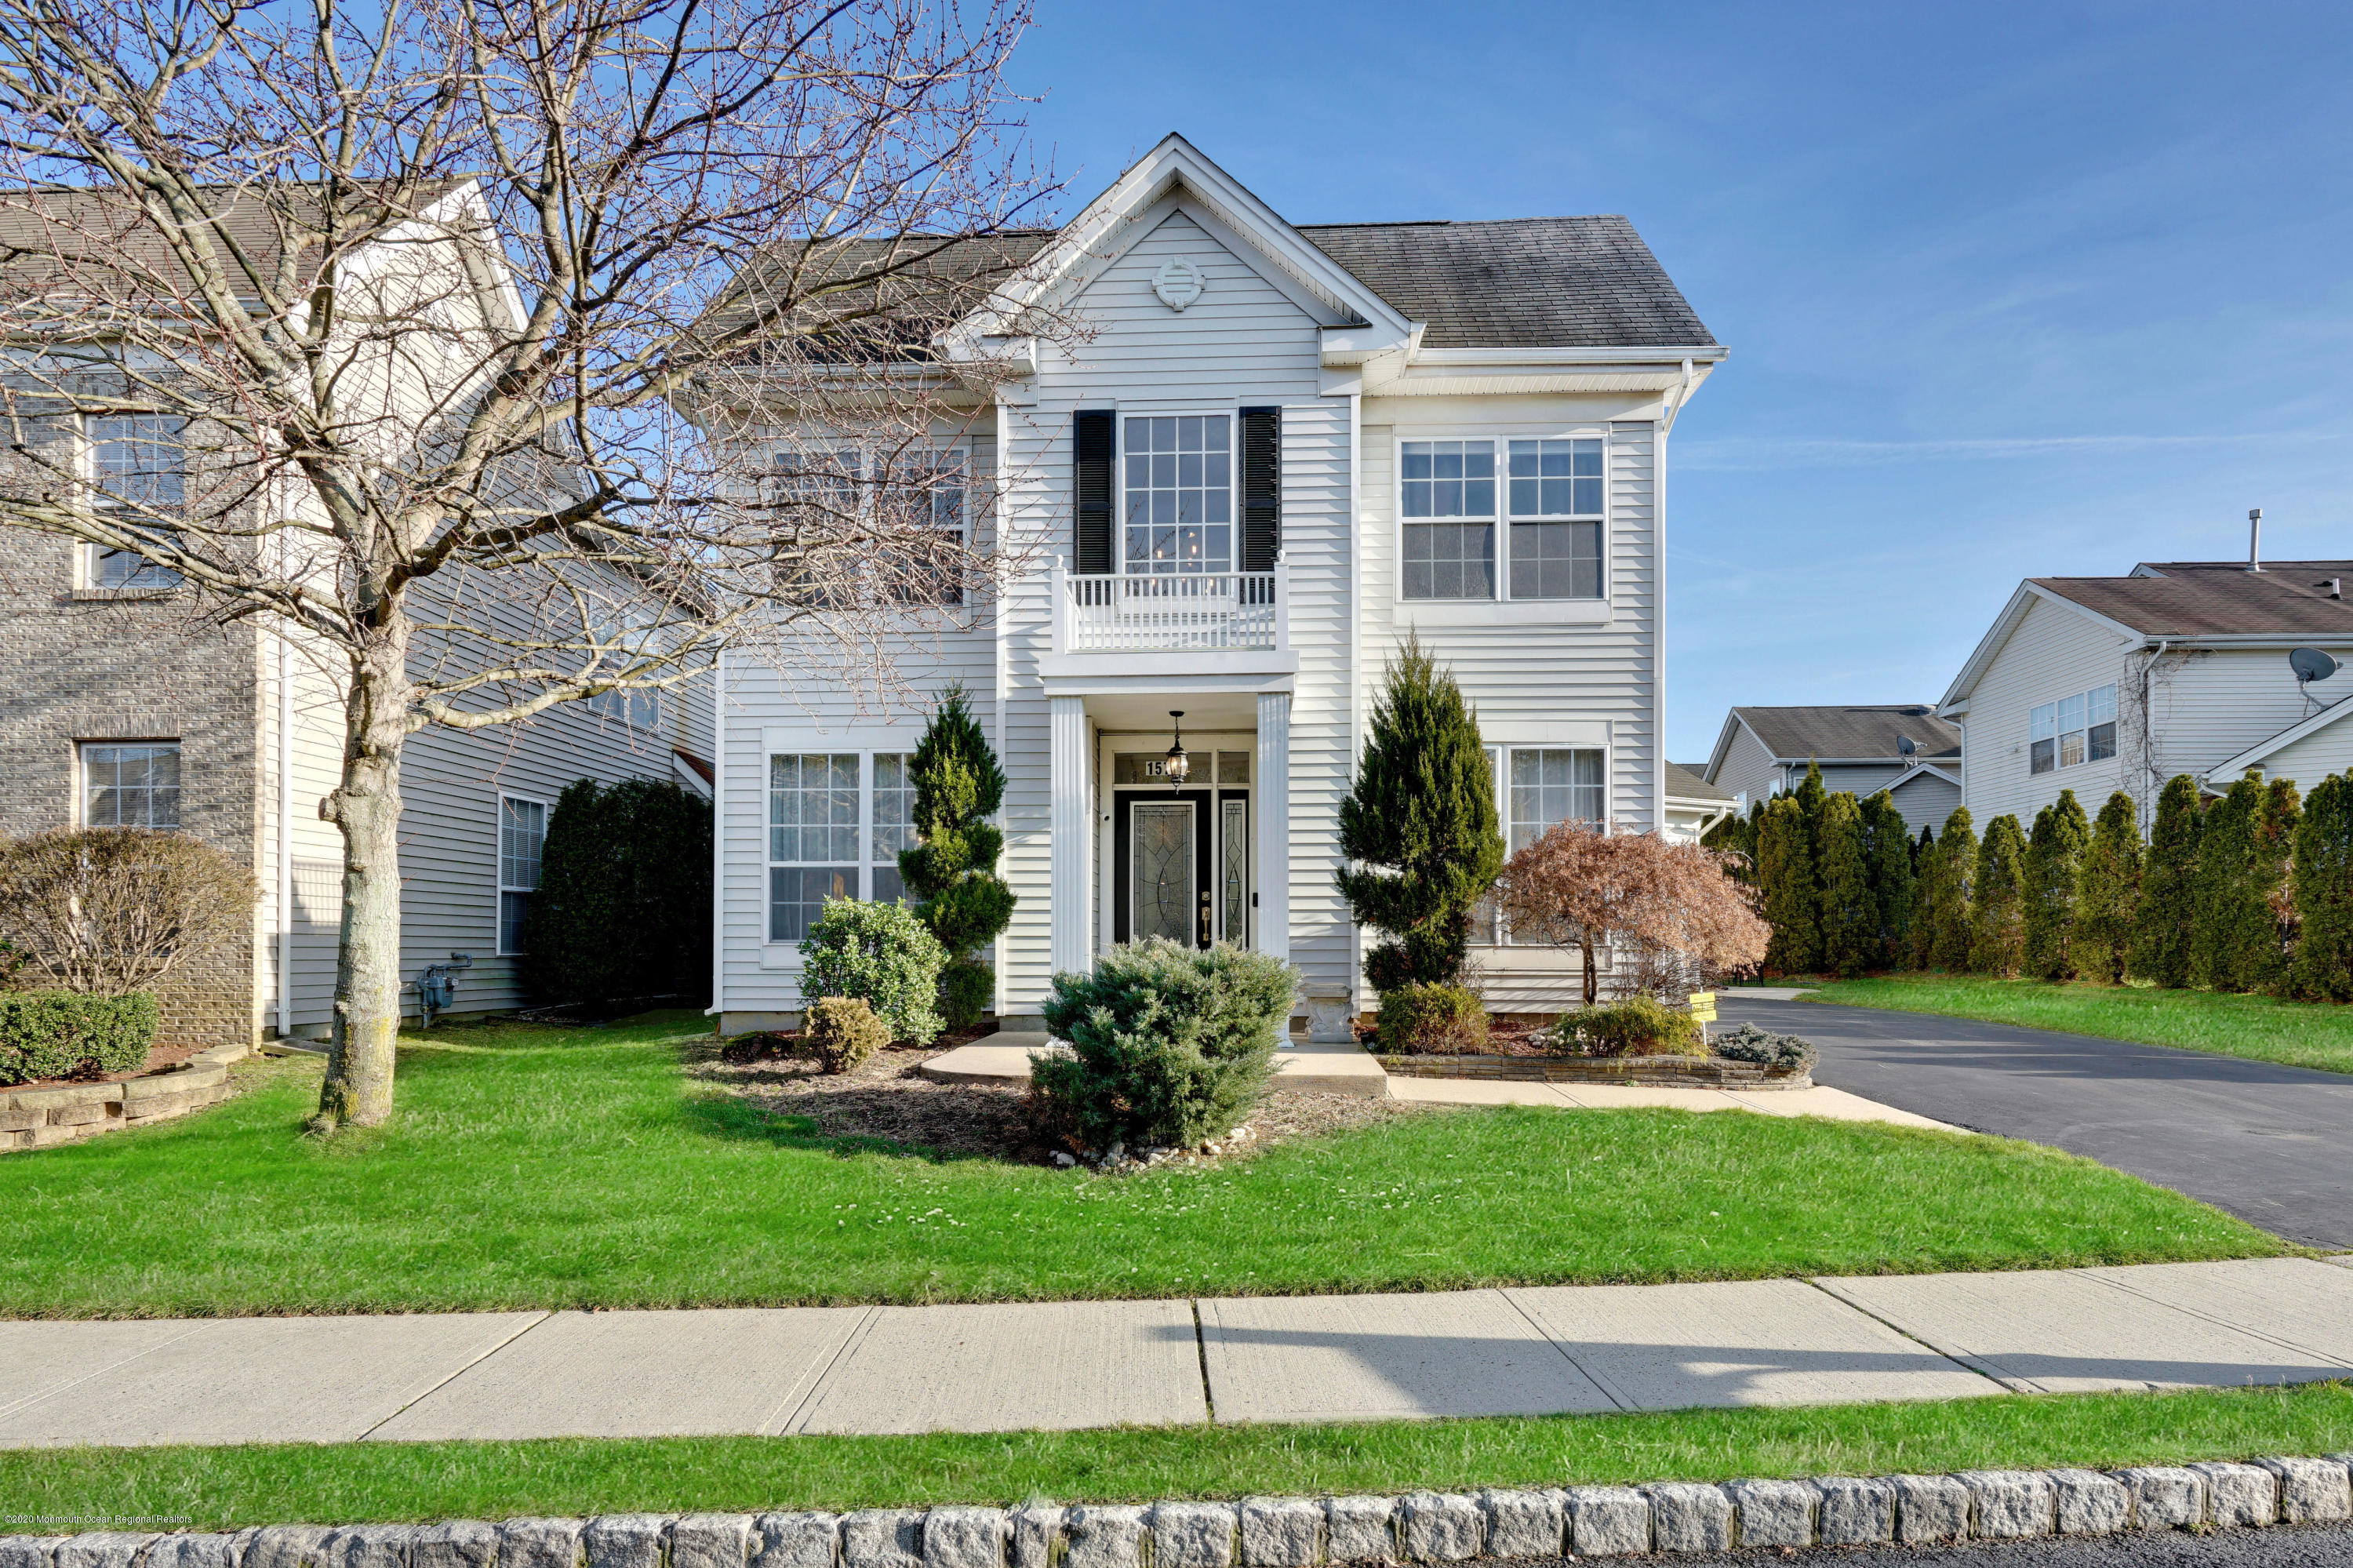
[[1748, 454]]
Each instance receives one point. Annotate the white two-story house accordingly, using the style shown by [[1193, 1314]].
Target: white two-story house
[[1277, 450]]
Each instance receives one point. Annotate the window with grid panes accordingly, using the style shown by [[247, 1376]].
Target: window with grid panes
[[1180, 489], [1554, 495], [522, 835], [1446, 492], [133, 786], [812, 838], [139, 465], [895, 823]]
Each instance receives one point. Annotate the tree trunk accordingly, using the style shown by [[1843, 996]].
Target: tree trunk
[[1592, 978], [367, 807]]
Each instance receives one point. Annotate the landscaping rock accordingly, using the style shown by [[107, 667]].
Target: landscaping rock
[[1281, 1532], [1440, 1527], [882, 1538], [708, 1541], [455, 1543], [104, 1548], [2009, 1505], [1686, 1516], [297, 1546], [1930, 1507], [623, 1541], [199, 1551], [1360, 1529], [1855, 1510], [2235, 1494], [1774, 1513], [1608, 1521], [2085, 1502], [1105, 1537], [536, 1544], [2311, 1490], [793, 1541], [27, 1551], [1525, 1524], [2165, 1497], [366, 1546], [1037, 1535], [965, 1538], [1193, 1535]]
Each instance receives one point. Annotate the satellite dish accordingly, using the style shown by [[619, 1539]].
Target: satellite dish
[[1906, 744], [2311, 664]]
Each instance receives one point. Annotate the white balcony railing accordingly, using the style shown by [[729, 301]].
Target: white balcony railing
[[1135, 612]]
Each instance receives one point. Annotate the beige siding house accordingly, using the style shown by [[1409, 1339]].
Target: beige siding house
[[2097, 685], [1278, 450]]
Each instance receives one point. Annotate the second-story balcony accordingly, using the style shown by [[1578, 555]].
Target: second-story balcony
[[1139, 612]]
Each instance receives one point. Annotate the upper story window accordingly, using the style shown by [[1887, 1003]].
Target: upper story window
[[2073, 730], [916, 499], [1180, 492], [1451, 507], [133, 786], [522, 835], [139, 465]]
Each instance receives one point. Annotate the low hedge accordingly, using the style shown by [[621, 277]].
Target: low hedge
[[1434, 1019], [1638, 1026], [68, 1035]]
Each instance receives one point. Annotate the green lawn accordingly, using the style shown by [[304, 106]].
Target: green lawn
[[537, 1166], [2260, 1028], [222, 1488]]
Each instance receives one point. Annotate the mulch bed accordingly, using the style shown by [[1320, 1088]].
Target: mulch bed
[[884, 1097]]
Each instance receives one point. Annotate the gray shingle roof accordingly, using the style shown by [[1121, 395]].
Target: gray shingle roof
[[1526, 282], [1799, 734], [2218, 599], [1684, 783]]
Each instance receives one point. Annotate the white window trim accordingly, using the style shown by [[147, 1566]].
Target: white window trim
[[1503, 609], [1231, 414], [777, 954], [2058, 756], [1506, 745], [499, 868], [81, 772], [87, 555]]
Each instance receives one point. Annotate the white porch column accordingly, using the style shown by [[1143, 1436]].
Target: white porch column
[[1274, 823], [1070, 916]]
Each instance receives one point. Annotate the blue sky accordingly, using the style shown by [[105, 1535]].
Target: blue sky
[[2010, 290]]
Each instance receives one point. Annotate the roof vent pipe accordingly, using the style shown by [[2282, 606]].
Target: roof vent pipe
[[2256, 540]]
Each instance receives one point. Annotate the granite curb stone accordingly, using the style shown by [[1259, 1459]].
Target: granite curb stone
[[1440, 1527], [2165, 1497], [1930, 1507], [105, 1548], [2085, 1502], [195, 1551], [1037, 1535], [965, 1538], [367, 1546], [1855, 1510], [2238, 1494], [455, 1543], [1280, 1532], [1774, 1513], [1608, 1521], [880, 1538], [2311, 1491], [1102, 1536], [1525, 1524], [1193, 1535], [706, 1541], [531, 1543], [2007, 1505], [298, 1546], [621, 1540], [1689, 1516], [793, 1541], [1361, 1529]]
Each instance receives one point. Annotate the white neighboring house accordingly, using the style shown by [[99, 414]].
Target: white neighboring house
[[1901, 747], [1283, 449], [2097, 685], [116, 708], [1693, 806]]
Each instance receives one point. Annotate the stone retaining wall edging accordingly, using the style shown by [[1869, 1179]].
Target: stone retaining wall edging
[[1291, 1533], [62, 1113]]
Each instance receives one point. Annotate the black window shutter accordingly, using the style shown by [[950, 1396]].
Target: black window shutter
[[1262, 488], [1091, 474]]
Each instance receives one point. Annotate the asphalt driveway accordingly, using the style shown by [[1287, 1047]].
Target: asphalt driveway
[[2272, 1145]]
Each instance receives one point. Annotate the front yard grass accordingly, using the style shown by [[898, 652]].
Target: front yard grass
[[537, 1166], [2260, 1028], [222, 1488]]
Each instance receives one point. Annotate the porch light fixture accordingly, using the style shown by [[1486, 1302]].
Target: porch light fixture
[[1176, 764]]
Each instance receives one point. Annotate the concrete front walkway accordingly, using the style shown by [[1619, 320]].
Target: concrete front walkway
[[1059, 1365], [1350, 1070]]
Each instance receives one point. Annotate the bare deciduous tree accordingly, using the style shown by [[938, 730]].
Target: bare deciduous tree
[[1582, 887], [505, 353], [114, 910]]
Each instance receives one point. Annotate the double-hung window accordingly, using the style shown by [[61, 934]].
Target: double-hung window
[[837, 822], [1180, 489], [138, 469], [2074, 730], [1554, 495], [920, 500], [1537, 787], [130, 786], [523, 835], [1545, 516], [1448, 491]]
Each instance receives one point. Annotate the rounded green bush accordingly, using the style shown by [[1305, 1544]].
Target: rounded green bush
[[68, 1034], [882, 954], [1432, 1018], [841, 1033], [1638, 1026], [966, 988]]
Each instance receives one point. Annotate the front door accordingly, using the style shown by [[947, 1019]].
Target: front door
[[1162, 877]]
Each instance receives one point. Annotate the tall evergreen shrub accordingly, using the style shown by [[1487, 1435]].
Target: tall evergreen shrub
[[1998, 900], [2232, 930], [2107, 892], [1847, 912], [2322, 886], [1785, 870], [623, 909], [952, 870], [1948, 917], [2163, 926], [2282, 818], [1419, 826], [1920, 941], [2055, 862], [1887, 860]]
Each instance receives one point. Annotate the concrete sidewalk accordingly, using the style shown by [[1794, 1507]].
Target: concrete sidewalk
[[1060, 1365]]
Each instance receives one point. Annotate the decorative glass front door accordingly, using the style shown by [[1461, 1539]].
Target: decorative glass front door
[[1161, 873]]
